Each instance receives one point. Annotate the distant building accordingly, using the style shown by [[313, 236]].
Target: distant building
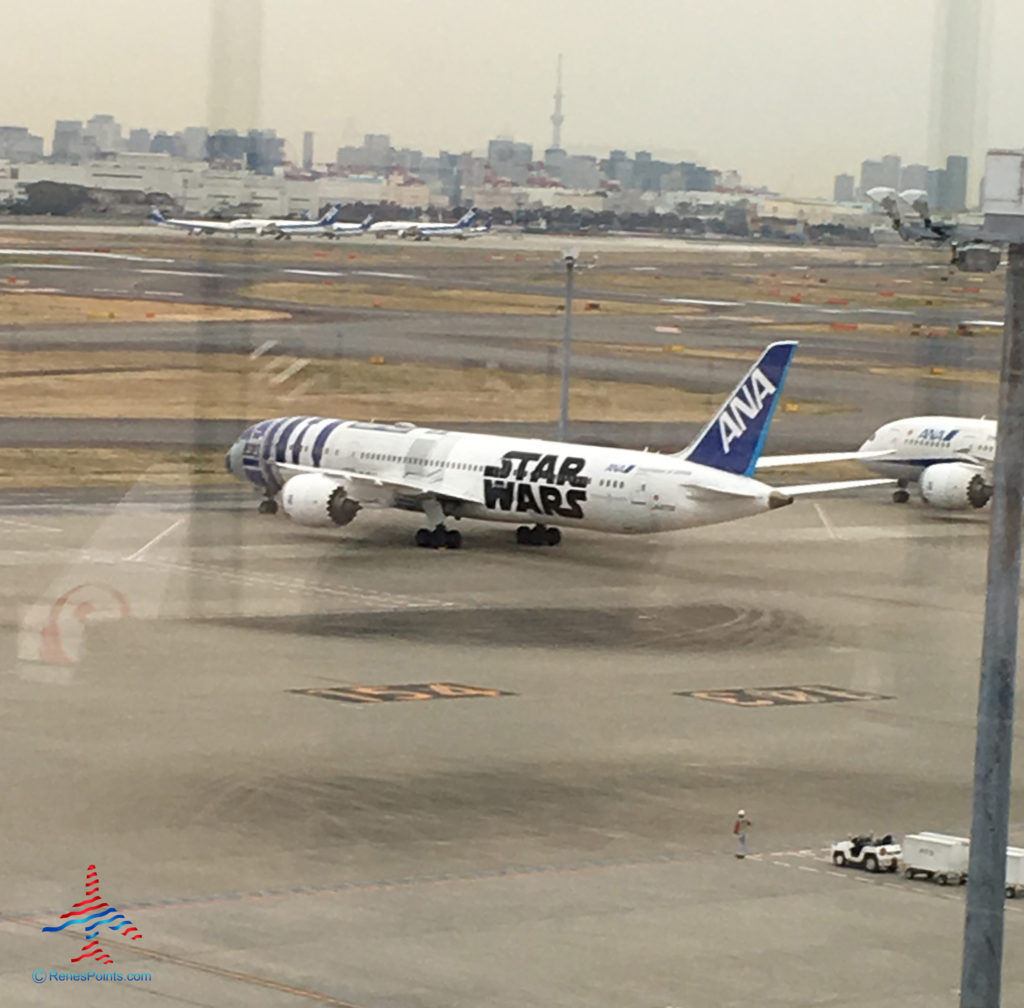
[[580, 172], [104, 132], [619, 167], [509, 159], [17, 144], [68, 144], [408, 159], [914, 176], [10, 189], [377, 143], [871, 174], [374, 155], [554, 161], [307, 151], [842, 189], [265, 151], [193, 142], [166, 143], [698, 178], [730, 179], [891, 170], [648, 174], [226, 145], [139, 141], [953, 185]]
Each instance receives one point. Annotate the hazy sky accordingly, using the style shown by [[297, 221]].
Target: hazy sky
[[789, 92]]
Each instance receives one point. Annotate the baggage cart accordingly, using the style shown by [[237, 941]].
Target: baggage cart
[[1014, 872], [941, 857]]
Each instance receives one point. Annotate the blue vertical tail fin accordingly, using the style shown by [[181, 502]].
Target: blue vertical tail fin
[[331, 216], [732, 440]]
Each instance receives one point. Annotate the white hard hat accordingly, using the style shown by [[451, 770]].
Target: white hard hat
[[741, 813]]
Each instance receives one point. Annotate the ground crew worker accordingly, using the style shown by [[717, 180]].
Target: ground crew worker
[[740, 832]]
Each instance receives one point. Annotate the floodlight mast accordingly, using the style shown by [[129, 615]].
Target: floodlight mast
[[569, 258], [981, 976]]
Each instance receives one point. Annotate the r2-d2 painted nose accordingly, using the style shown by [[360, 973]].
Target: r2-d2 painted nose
[[233, 459]]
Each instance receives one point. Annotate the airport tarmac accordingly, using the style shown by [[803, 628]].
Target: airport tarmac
[[330, 768]]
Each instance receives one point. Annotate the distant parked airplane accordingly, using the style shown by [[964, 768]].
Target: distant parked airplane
[[341, 229], [424, 231], [241, 225], [462, 228], [287, 228], [280, 228]]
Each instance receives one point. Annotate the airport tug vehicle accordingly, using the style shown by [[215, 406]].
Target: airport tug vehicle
[[868, 853]]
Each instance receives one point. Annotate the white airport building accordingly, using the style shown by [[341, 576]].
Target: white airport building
[[198, 188]]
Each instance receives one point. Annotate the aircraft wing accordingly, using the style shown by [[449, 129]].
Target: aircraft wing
[[815, 488], [777, 461], [970, 458], [207, 227], [710, 493], [409, 485]]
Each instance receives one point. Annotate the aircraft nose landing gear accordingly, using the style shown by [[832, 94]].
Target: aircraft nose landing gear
[[539, 535]]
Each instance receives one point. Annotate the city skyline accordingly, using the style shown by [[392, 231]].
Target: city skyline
[[789, 97]]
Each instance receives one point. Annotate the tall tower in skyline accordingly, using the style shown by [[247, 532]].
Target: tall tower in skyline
[[556, 116]]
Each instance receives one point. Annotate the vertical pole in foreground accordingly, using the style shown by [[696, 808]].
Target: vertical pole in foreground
[[563, 417], [983, 928]]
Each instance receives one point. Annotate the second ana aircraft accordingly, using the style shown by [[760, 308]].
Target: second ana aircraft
[[950, 458]]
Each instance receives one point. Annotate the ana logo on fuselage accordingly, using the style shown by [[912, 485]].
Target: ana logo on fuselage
[[933, 434], [745, 405], [531, 482]]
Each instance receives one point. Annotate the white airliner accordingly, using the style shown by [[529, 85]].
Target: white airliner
[[245, 225], [323, 225], [424, 231], [951, 458], [322, 472], [340, 229], [241, 225]]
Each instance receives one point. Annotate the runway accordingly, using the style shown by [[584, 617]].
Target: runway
[[870, 375], [329, 768]]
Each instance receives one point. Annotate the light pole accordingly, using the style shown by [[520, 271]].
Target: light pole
[[981, 976], [569, 259]]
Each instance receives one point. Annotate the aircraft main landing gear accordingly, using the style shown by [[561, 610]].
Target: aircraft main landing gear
[[268, 506], [439, 538], [539, 535], [901, 495]]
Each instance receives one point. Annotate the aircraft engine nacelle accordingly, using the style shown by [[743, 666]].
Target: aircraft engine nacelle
[[954, 486], [317, 501]]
